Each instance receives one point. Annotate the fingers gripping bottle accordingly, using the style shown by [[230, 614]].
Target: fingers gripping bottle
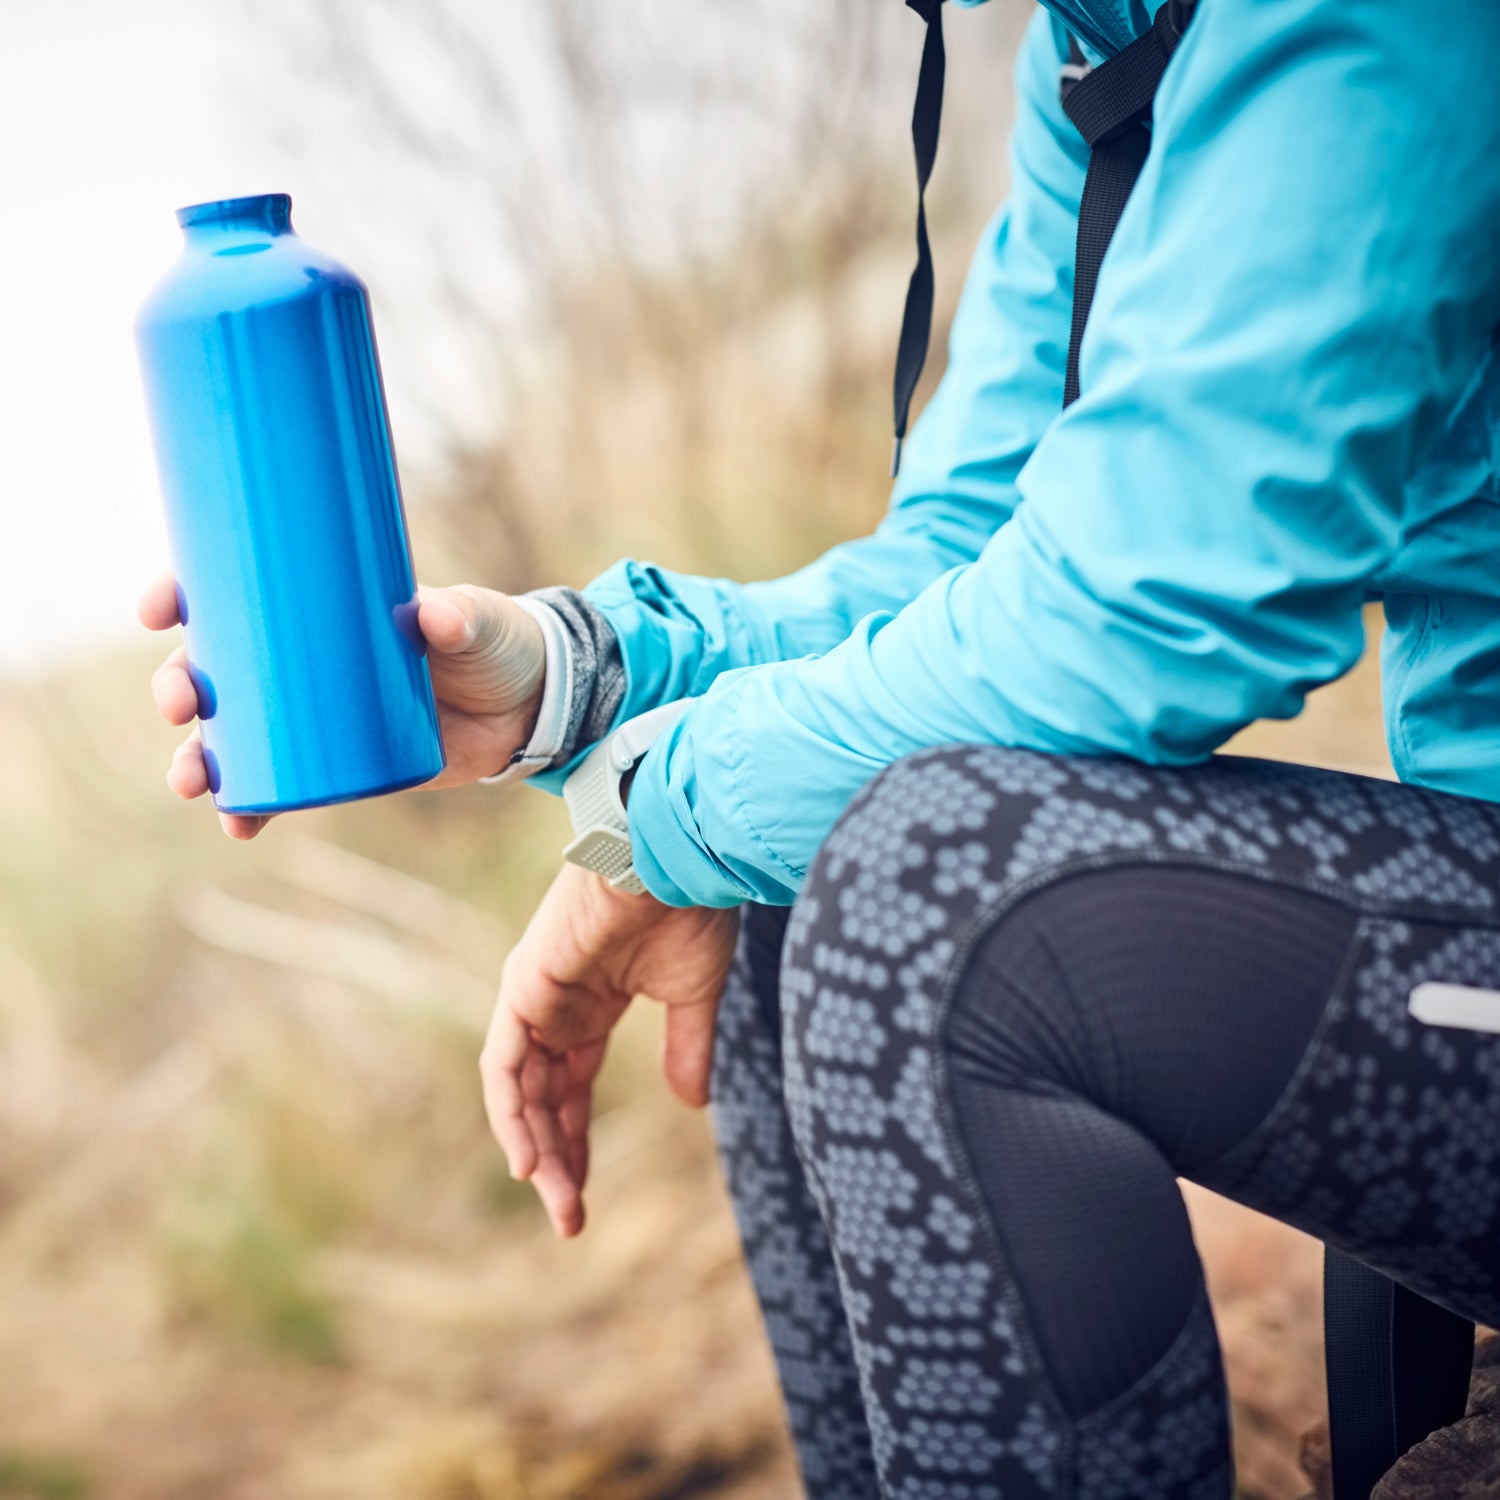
[[284, 516]]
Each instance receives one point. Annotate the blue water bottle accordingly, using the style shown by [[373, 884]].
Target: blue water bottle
[[284, 517]]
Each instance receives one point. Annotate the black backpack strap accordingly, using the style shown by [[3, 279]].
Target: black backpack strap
[[1398, 1369], [1111, 106], [916, 320]]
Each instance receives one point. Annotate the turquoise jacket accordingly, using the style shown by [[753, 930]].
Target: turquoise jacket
[[1291, 402]]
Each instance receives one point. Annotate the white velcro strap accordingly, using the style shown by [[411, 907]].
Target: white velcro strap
[[592, 794]]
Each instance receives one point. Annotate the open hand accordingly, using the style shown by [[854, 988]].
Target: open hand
[[488, 662], [587, 951]]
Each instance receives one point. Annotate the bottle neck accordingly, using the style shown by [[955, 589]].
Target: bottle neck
[[236, 225]]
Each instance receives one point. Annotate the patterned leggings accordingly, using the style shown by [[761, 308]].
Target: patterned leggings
[[1017, 998]]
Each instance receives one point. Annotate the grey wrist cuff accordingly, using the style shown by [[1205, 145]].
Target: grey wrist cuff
[[598, 671]]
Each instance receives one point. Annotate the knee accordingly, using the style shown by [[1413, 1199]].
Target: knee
[[875, 928], [868, 899], [937, 832], [854, 891], [921, 863]]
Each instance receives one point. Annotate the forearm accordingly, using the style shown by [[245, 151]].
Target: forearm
[[641, 636]]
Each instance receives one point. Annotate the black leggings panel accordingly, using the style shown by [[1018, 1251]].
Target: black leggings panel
[[1124, 1090], [1017, 998]]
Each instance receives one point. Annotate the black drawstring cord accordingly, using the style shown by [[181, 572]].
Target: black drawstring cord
[[916, 320]]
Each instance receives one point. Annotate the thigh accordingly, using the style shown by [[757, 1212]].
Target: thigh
[[1020, 993], [1216, 958]]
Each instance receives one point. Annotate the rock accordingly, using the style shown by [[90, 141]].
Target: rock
[[1484, 1389], [1461, 1462]]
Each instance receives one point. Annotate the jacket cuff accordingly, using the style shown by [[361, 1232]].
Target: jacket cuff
[[673, 867]]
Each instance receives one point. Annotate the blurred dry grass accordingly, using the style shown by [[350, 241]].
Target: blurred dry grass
[[254, 1241]]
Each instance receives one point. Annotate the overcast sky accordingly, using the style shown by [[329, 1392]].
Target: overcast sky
[[107, 123]]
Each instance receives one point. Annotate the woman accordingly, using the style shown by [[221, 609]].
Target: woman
[[1015, 952]]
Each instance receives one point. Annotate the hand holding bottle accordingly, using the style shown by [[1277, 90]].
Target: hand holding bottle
[[488, 663]]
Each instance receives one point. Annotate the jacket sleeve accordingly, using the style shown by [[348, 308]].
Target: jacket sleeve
[[1299, 291], [957, 487]]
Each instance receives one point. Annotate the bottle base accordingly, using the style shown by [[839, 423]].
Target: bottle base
[[301, 804]]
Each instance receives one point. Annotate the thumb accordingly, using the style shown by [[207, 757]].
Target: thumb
[[688, 1050], [487, 652], [463, 619]]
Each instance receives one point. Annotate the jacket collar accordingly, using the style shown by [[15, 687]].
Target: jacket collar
[[1105, 26]]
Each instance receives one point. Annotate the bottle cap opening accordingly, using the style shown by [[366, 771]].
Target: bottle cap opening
[[271, 212]]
